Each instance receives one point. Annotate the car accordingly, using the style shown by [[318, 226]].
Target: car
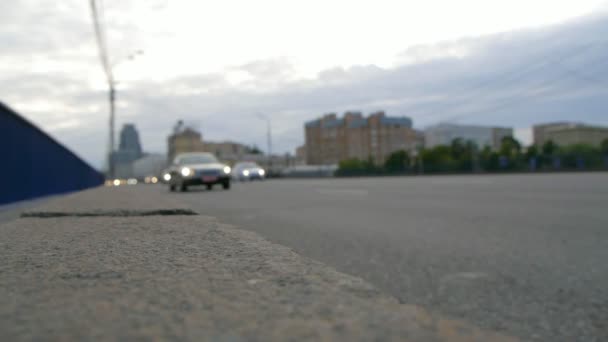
[[248, 171], [196, 168]]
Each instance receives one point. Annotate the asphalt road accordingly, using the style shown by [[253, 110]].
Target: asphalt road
[[522, 254]]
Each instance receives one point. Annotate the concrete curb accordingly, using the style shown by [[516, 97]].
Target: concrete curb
[[185, 278]]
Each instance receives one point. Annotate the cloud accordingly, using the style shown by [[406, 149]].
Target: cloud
[[513, 78]]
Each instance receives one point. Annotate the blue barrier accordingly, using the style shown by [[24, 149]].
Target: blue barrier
[[33, 164]]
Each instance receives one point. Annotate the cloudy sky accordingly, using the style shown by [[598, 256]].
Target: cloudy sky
[[215, 64]]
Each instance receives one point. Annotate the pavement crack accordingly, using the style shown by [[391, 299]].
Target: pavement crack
[[109, 213]]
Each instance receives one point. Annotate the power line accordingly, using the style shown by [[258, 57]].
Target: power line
[[104, 37], [511, 76], [512, 100], [544, 63]]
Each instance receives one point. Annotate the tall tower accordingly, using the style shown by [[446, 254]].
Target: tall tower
[[129, 150], [129, 141]]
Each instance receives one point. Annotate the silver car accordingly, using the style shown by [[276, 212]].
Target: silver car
[[196, 168], [245, 171]]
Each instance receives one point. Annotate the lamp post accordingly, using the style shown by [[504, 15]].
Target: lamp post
[[112, 98], [268, 137], [105, 59]]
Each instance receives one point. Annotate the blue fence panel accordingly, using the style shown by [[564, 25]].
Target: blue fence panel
[[34, 164]]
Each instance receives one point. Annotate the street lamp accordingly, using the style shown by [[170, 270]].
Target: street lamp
[[108, 66], [268, 137], [112, 97]]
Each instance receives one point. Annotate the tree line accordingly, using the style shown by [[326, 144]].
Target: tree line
[[465, 157]]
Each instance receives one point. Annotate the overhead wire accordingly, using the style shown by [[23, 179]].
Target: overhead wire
[[517, 99], [536, 66]]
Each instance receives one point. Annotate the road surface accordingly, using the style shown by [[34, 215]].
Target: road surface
[[522, 254]]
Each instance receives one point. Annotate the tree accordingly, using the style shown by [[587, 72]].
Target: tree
[[549, 152], [438, 159], [531, 153], [255, 150], [549, 148], [489, 159], [581, 156], [458, 148], [531, 157], [357, 167], [398, 161], [604, 147], [510, 153], [350, 167], [471, 162], [510, 147]]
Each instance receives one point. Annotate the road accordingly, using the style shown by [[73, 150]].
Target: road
[[522, 254]]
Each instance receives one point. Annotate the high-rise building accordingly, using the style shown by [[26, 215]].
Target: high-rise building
[[129, 150], [444, 134], [568, 133], [330, 139], [129, 140]]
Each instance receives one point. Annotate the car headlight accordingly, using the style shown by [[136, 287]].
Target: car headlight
[[167, 177], [186, 172], [227, 169], [262, 172], [246, 173]]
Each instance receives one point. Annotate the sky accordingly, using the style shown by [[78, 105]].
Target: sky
[[215, 64]]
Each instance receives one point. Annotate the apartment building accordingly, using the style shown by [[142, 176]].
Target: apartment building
[[331, 139]]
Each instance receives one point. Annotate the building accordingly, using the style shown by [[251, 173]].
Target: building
[[129, 140], [568, 133], [301, 155], [184, 139], [538, 131], [444, 134], [129, 150], [227, 150], [330, 139], [149, 165]]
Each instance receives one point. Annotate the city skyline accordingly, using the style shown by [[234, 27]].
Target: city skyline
[[552, 72]]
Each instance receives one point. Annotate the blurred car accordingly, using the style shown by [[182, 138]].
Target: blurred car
[[245, 171], [196, 168]]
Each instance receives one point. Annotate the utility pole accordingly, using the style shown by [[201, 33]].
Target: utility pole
[[100, 37], [268, 138], [107, 68], [112, 99]]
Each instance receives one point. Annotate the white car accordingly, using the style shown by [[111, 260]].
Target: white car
[[245, 171], [197, 168]]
